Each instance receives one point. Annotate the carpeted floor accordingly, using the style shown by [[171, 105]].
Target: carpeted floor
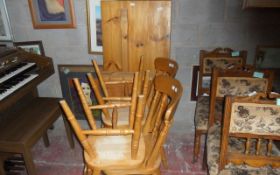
[[59, 159]]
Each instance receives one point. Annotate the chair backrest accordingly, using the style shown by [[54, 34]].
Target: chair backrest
[[83, 134], [168, 92], [103, 100], [237, 83], [102, 83], [223, 58], [256, 120], [163, 66], [166, 66]]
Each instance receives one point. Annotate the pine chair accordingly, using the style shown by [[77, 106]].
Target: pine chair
[[219, 58], [163, 66], [245, 142], [125, 151]]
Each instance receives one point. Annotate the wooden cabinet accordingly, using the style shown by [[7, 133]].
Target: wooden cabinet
[[135, 29], [261, 4]]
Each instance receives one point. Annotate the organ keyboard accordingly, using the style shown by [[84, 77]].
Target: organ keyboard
[[25, 117], [20, 73]]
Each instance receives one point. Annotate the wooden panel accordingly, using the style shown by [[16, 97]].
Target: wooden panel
[[135, 29], [261, 4], [111, 30]]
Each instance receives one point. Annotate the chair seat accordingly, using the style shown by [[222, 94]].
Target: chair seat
[[235, 145], [202, 112], [123, 115], [114, 152]]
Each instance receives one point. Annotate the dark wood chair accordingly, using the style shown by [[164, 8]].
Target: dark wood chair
[[219, 58], [236, 83], [128, 151], [245, 142]]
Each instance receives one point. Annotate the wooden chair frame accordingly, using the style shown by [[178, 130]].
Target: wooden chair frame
[[255, 160], [166, 66], [204, 57], [218, 53], [219, 73]]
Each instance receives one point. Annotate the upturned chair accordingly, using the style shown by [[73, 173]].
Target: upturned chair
[[125, 151], [244, 144], [220, 58], [163, 66], [123, 114]]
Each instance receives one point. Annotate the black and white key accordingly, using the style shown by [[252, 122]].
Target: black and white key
[[14, 84], [13, 71]]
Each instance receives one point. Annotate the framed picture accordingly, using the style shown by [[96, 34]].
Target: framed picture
[[31, 46], [94, 26], [52, 14], [267, 58], [5, 28], [66, 75]]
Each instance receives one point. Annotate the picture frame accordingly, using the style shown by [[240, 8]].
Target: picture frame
[[267, 58], [5, 27], [31, 46], [69, 93], [94, 26], [54, 14]]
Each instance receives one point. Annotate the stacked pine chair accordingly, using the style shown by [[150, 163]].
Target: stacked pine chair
[[123, 146], [233, 144], [220, 58]]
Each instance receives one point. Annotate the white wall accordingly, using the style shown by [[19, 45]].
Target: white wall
[[196, 25]]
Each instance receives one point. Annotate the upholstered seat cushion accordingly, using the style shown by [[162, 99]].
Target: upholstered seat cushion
[[202, 112], [235, 145], [114, 151]]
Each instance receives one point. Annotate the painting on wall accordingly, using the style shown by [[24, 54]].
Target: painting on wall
[[31, 46], [69, 93], [94, 26], [5, 28], [267, 58], [52, 14]]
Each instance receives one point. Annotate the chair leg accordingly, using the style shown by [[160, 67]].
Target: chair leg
[[96, 172], [157, 172], [163, 158], [196, 145], [204, 161]]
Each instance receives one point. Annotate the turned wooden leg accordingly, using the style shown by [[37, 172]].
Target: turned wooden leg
[[29, 164], [46, 139], [157, 172], [204, 161], [163, 158], [96, 172], [196, 146]]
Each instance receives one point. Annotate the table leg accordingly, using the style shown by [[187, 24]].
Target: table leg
[[29, 164], [2, 170], [68, 132], [46, 139]]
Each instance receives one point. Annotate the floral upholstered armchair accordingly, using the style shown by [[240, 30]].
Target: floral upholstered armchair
[[245, 144]]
